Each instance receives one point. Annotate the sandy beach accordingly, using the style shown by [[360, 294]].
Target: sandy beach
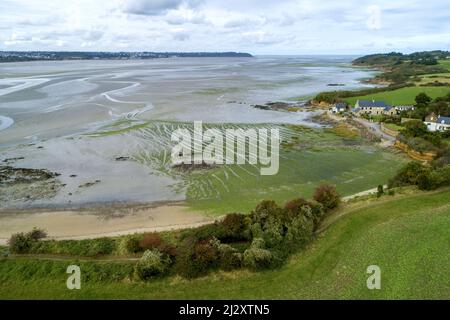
[[99, 222]]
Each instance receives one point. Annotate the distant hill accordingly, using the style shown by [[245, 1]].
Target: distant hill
[[396, 58], [18, 56]]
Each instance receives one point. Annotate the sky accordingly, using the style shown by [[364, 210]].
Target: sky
[[255, 26]]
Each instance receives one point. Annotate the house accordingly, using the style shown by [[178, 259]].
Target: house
[[371, 107], [437, 123], [404, 108], [339, 107], [390, 111]]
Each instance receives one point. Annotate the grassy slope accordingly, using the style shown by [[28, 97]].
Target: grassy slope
[[403, 96], [407, 236]]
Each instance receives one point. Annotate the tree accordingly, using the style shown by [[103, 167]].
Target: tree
[[440, 108], [423, 99], [415, 128], [328, 196], [380, 190]]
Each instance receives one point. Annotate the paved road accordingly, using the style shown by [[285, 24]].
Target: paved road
[[376, 129]]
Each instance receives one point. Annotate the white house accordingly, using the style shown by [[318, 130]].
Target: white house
[[437, 123], [404, 108], [339, 107]]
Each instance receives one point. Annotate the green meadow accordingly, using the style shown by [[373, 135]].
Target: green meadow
[[403, 96], [405, 235]]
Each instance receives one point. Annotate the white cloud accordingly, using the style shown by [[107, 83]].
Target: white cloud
[[260, 27]]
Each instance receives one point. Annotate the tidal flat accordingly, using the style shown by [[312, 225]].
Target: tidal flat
[[104, 128]]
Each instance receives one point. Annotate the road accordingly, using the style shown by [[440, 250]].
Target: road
[[376, 129]]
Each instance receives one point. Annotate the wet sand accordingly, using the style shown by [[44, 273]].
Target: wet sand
[[100, 222]]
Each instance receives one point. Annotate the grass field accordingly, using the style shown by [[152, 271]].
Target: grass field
[[403, 96], [393, 126], [407, 236], [439, 77], [445, 63]]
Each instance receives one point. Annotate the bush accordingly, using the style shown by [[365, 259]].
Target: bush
[[101, 246], [20, 243], [300, 206], [268, 222], [408, 174], [128, 245], [37, 234], [151, 241], [195, 257], [229, 258], [328, 196], [23, 242], [234, 227], [380, 191], [152, 264], [256, 257], [300, 230]]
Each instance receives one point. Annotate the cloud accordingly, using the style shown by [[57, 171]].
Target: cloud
[[155, 7], [374, 17], [255, 26], [180, 35]]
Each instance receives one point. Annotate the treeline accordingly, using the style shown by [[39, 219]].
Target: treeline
[[19, 56], [397, 58], [263, 239]]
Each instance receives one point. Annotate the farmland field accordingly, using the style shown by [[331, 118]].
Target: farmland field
[[403, 96]]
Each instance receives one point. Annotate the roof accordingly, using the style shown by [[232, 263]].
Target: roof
[[443, 120], [371, 104], [388, 108], [356, 110], [341, 105]]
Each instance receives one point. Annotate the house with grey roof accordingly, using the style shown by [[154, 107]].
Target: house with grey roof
[[339, 107], [372, 107], [437, 123]]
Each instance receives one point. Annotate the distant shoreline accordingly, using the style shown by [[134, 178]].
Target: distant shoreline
[[30, 56]]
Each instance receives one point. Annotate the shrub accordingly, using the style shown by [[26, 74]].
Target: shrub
[[152, 264], [328, 196], [151, 241], [380, 191], [234, 227], [424, 181], [195, 257], [300, 205], [37, 234], [268, 222], [256, 257], [300, 230], [101, 246], [229, 258], [408, 174], [20, 243], [127, 245]]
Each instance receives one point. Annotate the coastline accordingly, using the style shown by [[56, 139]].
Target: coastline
[[106, 221]]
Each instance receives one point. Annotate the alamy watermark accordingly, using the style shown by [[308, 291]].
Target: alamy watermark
[[74, 280], [374, 280], [228, 146]]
